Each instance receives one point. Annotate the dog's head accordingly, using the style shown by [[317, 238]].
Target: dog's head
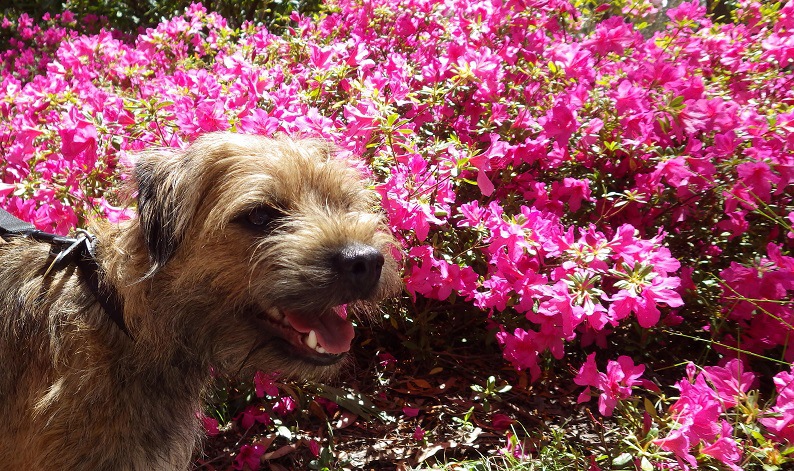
[[259, 247]]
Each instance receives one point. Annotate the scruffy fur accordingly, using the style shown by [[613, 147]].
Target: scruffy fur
[[195, 276]]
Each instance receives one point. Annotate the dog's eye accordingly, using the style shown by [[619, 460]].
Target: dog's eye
[[261, 217]]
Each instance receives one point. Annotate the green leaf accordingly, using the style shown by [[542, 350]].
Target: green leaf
[[353, 401], [622, 459], [650, 409], [284, 432]]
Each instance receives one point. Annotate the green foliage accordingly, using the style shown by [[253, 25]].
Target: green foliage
[[127, 15]]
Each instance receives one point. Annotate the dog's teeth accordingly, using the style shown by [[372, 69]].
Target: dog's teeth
[[285, 322], [311, 340], [320, 349]]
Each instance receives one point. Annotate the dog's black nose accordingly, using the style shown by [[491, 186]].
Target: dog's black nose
[[360, 266]]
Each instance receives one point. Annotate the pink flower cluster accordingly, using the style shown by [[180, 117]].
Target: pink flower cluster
[[593, 284], [700, 414], [565, 178], [758, 298]]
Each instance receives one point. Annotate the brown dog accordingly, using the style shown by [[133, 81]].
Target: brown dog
[[242, 255]]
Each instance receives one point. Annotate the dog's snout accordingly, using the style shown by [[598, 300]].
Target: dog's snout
[[360, 265]]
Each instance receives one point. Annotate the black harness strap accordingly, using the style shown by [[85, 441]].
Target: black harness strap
[[81, 251]]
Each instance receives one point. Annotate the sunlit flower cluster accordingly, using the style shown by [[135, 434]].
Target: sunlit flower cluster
[[564, 175]]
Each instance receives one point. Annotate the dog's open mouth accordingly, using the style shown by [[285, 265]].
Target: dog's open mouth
[[322, 339]]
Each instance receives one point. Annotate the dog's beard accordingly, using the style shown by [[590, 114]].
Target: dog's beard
[[274, 355]]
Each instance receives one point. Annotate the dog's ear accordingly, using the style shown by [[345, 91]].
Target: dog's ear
[[167, 201]]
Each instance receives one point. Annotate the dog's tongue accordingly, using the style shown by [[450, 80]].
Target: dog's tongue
[[334, 334]]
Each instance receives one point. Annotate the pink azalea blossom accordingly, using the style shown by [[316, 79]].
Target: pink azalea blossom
[[501, 421], [284, 406], [730, 382], [253, 415], [210, 426], [780, 421], [560, 123], [615, 385], [264, 384], [521, 350], [249, 457], [678, 443], [725, 449], [314, 447]]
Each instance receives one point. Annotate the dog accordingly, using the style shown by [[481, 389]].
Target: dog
[[245, 255]]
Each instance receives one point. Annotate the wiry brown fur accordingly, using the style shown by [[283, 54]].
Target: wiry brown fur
[[77, 393]]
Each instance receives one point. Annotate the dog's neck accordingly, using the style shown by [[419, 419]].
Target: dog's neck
[[174, 379]]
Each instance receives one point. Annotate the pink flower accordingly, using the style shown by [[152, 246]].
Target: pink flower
[[437, 278], [757, 178], [588, 375], [115, 214], [284, 406], [386, 359], [709, 114], [330, 406], [697, 414], [249, 457], [644, 305], [210, 116], [253, 415], [677, 443], [615, 385], [79, 139], [486, 132], [501, 421], [264, 383], [612, 35], [725, 448], [572, 190], [210, 426], [780, 423], [687, 11], [780, 420], [675, 171], [628, 97], [730, 382], [411, 411], [493, 158], [520, 349], [6, 189], [314, 447], [419, 434], [697, 409], [560, 123], [515, 447]]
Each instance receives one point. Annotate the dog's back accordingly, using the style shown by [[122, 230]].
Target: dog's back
[[23, 330], [59, 410], [26, 351]]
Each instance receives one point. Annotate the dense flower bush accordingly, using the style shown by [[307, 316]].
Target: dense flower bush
[[570, 175]]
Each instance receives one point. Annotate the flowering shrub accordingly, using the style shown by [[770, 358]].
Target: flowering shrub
[[567, 174]]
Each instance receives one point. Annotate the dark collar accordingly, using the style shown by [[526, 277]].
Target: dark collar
[[80, 251]]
